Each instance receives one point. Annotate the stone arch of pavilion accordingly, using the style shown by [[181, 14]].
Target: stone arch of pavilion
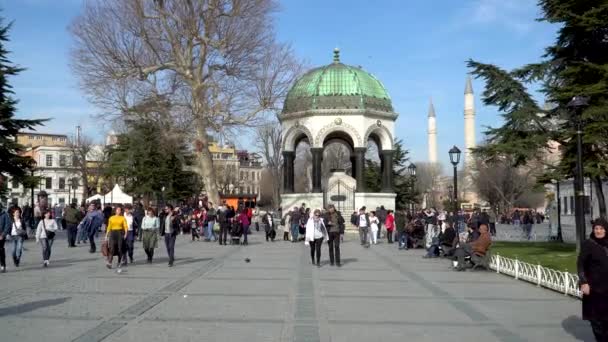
[[338, 103]]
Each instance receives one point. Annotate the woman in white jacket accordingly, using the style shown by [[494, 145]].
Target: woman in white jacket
[[315, 233], [45, 235]]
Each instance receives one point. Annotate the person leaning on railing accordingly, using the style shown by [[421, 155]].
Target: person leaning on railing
[[592, 267]]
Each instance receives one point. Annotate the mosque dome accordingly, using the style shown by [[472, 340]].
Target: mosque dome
[[337, 86]]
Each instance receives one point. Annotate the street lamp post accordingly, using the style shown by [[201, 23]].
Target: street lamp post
[[412, 172], [560, 237], [577, 105], [454, 153]]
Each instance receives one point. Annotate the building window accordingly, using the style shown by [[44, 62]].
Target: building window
[[571, 205], [62, 160], [49, 160], [587, 205], [48, 183], [15, 183], [61, 201], [61, 183], [241, 175], [565, 206]]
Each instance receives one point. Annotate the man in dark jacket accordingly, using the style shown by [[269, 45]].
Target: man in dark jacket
[[401, 223], [362, 222], [334, 222], [169, 228], [296, 215], [72, 217], [5, 231], [222, 219], [381, 213]]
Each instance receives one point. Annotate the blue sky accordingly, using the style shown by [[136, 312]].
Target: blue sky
[[417, 49]]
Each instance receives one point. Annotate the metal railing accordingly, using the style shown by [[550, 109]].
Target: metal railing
[[564, 282]]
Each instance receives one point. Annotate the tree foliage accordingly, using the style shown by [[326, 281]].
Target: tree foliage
[[403, 183], [145, 162], [576, 64], [214, 64], [12, 162]]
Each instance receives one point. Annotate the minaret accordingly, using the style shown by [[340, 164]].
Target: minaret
[[469, 141], [432, 132], [469, 124]]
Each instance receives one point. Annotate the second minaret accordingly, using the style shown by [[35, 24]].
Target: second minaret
[[432, 134]]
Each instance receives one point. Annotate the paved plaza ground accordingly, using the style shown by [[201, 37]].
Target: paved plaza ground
[[212, 294]]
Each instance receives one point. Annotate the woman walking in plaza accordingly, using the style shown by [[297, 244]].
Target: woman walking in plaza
[[374, 223], [45, 235], [149, 229], [116, 233], [315, 233], [18, 234], [593, 274]]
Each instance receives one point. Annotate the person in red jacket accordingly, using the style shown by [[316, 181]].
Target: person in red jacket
[[389, 223]]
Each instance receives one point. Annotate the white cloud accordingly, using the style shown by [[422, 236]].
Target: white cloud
[[516, 15]]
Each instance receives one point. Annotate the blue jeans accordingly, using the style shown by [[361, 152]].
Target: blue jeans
[[403, 237], [17, 247], [210, 235], [47, 244], [295, 231]]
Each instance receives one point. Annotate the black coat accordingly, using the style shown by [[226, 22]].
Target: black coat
[[174, 225], [593, 270]]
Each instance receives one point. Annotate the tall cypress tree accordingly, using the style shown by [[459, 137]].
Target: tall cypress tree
[[11, 160], [576, 64]]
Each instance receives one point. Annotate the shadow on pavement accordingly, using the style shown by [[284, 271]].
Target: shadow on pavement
[[31, 306], [346, 261], [578, 328], [178, 261]]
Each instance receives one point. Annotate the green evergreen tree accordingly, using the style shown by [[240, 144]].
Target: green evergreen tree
[[575, 65], [403, 183], [145, 163], [11, 160]]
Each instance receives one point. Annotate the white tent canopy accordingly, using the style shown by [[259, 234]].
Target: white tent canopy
[[117, 196], [97, 197]]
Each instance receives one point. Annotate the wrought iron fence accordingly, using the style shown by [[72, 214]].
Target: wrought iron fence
[[564, 282]]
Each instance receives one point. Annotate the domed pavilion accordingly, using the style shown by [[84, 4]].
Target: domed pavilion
[[345, 104]]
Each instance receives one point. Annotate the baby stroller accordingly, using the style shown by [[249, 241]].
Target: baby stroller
[[236, 230]]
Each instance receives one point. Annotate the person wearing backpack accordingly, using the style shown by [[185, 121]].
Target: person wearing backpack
[[45, 235]]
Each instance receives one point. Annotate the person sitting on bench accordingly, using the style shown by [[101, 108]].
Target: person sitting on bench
[[446, 241], [478, 247]]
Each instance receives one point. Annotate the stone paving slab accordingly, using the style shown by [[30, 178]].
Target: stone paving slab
[[213, 294]]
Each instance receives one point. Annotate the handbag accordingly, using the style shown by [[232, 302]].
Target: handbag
[[105, 250], [49, 235]]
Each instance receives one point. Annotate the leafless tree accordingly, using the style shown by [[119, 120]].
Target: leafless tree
[[81, 149], [212, 63], [227, 177], [268, 139], [428, 181], [505, 187]]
